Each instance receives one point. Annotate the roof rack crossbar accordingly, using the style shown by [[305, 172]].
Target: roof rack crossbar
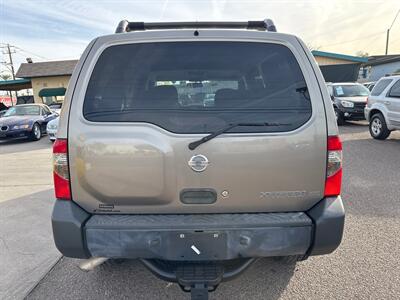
[[125, 26]]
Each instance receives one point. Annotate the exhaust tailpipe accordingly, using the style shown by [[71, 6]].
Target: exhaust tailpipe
[[91, 263]]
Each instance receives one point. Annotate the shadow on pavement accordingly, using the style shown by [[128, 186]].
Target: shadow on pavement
[[362, 124], [265, 279], [23, 145], [354, 127], [27, 249], [371, 176]]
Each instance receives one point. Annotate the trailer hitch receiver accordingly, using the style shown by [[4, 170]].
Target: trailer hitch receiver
[[199, 278]]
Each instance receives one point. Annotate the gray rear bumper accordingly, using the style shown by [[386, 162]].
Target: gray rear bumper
[[218, 236]]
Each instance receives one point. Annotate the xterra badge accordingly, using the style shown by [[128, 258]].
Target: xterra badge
[[198, 163]]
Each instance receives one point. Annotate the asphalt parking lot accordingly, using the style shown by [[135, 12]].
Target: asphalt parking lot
[[366, 266]]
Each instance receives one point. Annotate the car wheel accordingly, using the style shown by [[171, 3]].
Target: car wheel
[[339, 117], [378, 128], [36, 133]]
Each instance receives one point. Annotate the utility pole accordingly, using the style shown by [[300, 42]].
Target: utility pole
[[387, 41], [11, 63], [388, 32]]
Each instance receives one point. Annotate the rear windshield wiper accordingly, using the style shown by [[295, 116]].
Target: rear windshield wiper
[[195, 144]]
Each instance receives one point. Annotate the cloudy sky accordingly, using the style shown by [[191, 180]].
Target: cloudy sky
[[55, 30]]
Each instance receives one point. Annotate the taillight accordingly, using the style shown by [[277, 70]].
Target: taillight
[[333, 182], [60, 169]]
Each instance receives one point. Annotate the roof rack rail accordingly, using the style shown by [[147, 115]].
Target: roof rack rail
[[125, 26]]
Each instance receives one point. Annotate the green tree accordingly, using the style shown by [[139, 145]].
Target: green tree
[[362, 53], [313, 47], [5, 76]]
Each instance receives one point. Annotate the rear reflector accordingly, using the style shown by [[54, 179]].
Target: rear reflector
[[60, 170], [333, 182]]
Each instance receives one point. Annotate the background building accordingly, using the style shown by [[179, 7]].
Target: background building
[[9, 86], [338, 67], [379, 66], [49, 79]]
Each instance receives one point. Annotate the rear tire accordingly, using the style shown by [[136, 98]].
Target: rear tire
[[378, 128], [36, 132], [339, 117]]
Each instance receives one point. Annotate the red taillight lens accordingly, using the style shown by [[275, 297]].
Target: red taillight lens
[[60, 169], [333, 182]]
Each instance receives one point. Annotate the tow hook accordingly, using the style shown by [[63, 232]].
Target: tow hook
[[91, 263]]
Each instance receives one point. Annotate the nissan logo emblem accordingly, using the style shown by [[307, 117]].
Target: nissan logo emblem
[[198, 163]]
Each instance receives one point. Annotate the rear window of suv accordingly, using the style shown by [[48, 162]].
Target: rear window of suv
[[380, 87], [199, 87], [395, 90]]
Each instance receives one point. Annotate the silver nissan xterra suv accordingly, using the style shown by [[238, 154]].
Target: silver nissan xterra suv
[[197, 147]]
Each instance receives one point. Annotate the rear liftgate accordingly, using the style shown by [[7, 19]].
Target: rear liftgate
[[198, 278]]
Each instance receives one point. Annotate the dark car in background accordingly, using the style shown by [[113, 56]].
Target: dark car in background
[[26, 120], [28, 99], [3, 109], [349, 100], [369, 85]]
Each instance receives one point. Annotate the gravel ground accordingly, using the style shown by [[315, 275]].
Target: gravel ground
[[366, 266]]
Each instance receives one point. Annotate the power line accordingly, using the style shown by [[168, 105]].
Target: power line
[[394, 19], [353, 40], [388, 32], [25, 51], [31, 53]]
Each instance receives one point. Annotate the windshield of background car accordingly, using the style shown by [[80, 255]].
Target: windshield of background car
[[22, 111], [350, 90], [198, 87]]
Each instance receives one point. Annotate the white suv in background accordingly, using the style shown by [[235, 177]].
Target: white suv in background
[[383, 107]]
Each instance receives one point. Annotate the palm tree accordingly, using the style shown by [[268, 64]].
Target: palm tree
[[7, 76]]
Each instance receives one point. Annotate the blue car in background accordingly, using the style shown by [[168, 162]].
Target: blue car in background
[[26, 120]]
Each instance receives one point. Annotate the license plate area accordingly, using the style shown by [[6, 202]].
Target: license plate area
[[199, 245]]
